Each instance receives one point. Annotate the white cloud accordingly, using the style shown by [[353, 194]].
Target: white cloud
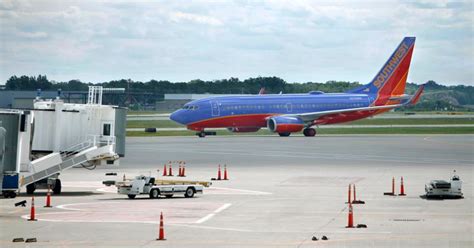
[[201, 19], [179, 41], [32, 35]]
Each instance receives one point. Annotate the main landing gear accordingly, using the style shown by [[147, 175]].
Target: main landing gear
[[203, 134], [284, 134], [309, 132]]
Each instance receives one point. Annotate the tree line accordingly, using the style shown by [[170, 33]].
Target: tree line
[[197, 86], [436, 96]]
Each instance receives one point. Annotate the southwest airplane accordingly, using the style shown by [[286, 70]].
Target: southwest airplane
[[289, 113]]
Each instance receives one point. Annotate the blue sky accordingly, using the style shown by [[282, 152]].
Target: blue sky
[[299, 41]]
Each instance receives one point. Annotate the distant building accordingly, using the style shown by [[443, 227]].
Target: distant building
[[24, 99]]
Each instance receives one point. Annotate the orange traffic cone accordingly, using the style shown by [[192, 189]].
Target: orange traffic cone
[[48, 199], [32, 211], [402, 187], [164, 171], [179, 171], [225, 173], [161, 234], [219, 173], [183, 172], [355, 201], [350, 217], [349, 194], [171, 171]]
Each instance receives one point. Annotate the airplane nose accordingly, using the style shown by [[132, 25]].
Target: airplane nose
[[177, 116]]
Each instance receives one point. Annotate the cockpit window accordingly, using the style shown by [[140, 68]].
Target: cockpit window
[[190, 107]]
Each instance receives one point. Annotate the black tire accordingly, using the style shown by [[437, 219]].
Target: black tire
[[169, 196], [57, 187], [189, 192], [30, 188], [284, 134], [9, 194], [202, 134], [131, 196], [150, 130], [154, 193], [309, 132]]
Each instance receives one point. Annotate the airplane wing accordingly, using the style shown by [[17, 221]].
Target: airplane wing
[[313, 116]]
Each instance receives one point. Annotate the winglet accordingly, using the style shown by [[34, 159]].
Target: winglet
[[417, 95]]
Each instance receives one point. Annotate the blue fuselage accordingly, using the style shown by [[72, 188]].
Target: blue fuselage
[[232, 111]]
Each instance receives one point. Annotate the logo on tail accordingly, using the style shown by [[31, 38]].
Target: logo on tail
[[391, 79]]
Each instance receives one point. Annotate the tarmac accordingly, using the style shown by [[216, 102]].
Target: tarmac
[[158, 129], [282, 191]]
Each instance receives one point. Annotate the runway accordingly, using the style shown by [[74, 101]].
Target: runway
[[281, 193]]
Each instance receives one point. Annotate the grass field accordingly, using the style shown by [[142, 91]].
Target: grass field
[[388, 130], [156, 123], [400, 121]]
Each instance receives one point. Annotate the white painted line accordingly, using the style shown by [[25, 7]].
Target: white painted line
[[209, 216], [107, 190], [205, 218], [222, 208], [241, 191], [66, 206]]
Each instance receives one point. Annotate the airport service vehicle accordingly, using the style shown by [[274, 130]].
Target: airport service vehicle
[[146, 185], [289, 113], [444, 189]]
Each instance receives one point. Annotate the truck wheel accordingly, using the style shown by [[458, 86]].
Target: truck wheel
[[131, 196], [9, 194], [154, 193], [189, 192], [57, 187], [30, 188], [169, 196]]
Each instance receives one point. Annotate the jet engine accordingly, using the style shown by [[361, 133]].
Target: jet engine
[[285, 124], [243, 129]]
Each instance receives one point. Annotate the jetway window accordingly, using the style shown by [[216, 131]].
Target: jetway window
[[106, 129]]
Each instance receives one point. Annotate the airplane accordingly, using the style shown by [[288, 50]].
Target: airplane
[[290, 113]]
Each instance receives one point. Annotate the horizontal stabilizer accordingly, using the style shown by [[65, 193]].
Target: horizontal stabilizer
[[417, 95]]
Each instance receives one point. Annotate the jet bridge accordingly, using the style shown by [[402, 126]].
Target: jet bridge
[[37, 145]]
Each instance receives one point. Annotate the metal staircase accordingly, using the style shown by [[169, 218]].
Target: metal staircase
[[95, 147]]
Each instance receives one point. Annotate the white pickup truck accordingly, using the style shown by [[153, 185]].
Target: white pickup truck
[[146, 185]]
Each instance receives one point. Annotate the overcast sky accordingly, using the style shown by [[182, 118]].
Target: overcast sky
[[299, 41]]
